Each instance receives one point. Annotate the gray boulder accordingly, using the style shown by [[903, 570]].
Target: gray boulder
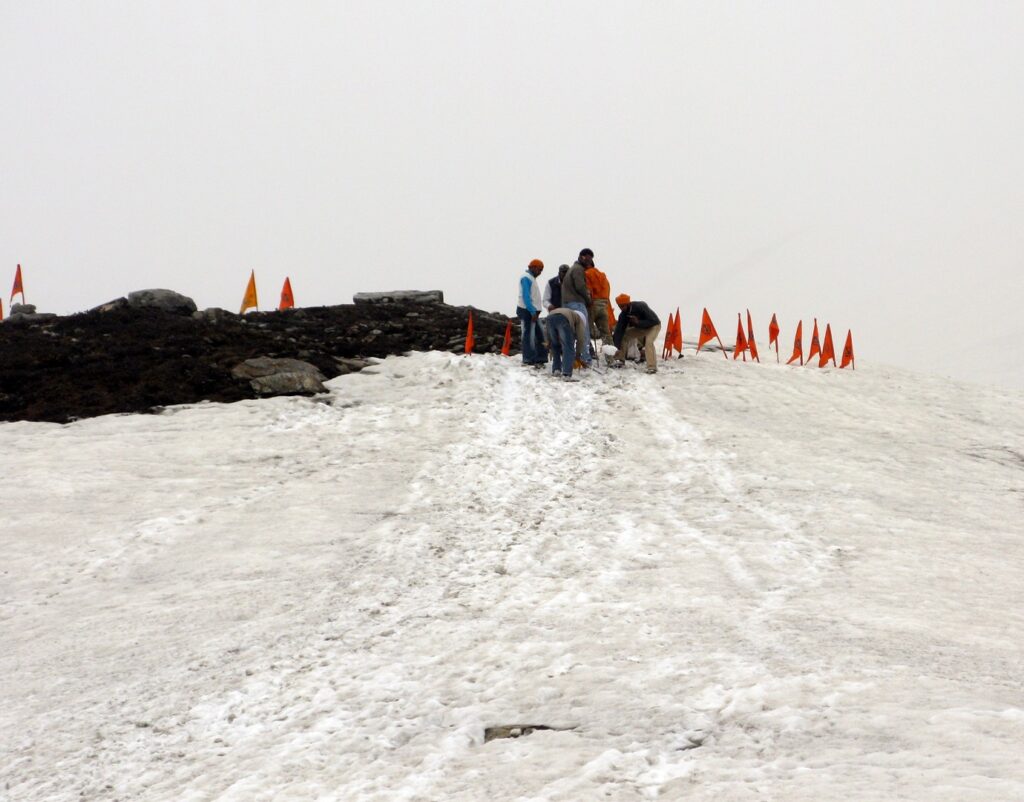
[[213, 315], [168, 300], [416, 296], [269, 376], [26, 313], [111, 306], [287, 384]]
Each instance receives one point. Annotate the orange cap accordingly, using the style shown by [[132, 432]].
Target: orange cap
[[622, 299], [536, 263]]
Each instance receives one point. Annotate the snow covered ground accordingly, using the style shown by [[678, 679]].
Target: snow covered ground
[[726, 581]]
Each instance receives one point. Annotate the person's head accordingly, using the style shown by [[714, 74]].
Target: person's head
[[536, 267], [622, 300], [562, 270], [587, 257]]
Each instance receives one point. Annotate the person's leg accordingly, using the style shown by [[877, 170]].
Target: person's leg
[[631, 336], [541, 351], [526, 334], [651, 335], [580, 307], [555, 341], [599, 313], [568, 343]]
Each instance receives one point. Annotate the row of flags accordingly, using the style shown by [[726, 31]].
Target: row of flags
[[249, 301], [745, 342]]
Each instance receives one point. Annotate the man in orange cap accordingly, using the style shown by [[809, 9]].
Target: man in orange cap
[[636, 321], [528, 311]]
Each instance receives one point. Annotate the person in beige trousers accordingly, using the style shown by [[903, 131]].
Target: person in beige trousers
[[636, 320]]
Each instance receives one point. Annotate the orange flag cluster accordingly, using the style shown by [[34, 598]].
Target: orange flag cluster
[[251, 301], [673, 336], [746, 343]]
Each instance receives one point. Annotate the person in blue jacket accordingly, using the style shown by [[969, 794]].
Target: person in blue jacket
[[528, 311]]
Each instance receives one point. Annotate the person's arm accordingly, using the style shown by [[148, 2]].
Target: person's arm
[[547, 297], [581, 333], [620, 328], [645, 317], [525, 282]]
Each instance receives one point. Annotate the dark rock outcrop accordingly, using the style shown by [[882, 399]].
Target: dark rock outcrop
[[140, 358]]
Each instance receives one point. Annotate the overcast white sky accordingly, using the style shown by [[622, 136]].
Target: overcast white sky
[[858, 162]]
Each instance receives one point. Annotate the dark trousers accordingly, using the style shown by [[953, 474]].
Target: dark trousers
[[532, 338]]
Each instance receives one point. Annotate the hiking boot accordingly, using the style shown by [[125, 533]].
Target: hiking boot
[[652, 370], [570, 378]]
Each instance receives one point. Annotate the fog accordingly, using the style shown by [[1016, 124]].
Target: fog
[[856, 162]]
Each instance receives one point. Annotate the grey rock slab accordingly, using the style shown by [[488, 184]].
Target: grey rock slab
[[416, 296], [263, 366], [288, 384], [168, 300]]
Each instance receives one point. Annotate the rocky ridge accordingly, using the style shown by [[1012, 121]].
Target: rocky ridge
[[154, 349]]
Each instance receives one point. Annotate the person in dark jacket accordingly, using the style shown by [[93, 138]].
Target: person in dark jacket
[[576, 295], [553, 289], [636, 321]]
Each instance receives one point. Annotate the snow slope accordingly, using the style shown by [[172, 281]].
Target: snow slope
[[726, 581]]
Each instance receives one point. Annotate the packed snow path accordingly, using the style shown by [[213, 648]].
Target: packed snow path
[[734, 582]]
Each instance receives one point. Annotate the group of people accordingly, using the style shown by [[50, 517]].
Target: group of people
[[579, 313]]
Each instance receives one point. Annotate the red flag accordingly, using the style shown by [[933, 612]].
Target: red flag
[[677, 334], [1, 310], [250, 300], [773, 336], [815, 344], [670, 338], [708, 333], [741, 340], [828, 351], [506, 345], [287, 299], [750, 338], [798, 344], [18, 286], [848, 352], [470, 339]]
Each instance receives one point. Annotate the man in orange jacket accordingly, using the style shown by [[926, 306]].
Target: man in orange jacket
[[601, 315]]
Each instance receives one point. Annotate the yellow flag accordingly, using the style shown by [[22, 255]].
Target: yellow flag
[[249, 301]]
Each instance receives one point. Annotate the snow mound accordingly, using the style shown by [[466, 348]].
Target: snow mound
[[456, 578]]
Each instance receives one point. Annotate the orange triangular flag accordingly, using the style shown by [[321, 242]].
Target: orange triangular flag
[[287, 299], [773, 332], [677, 334], [506, 346], [708, 333], [828, 351], [848, 352], [815, 344], [250, 300], [470, 339], [798, 344], [670, 338], [741, 339], [750, 338], [18, 286]]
